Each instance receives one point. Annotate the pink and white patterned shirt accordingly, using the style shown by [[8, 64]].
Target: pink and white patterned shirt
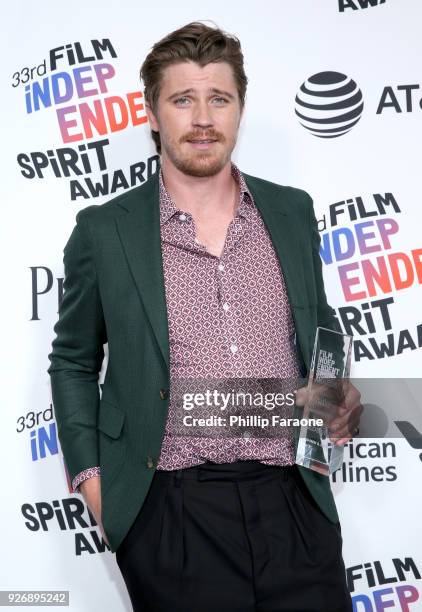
[[228, 317]]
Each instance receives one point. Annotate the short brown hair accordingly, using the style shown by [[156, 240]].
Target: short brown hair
[[193, 42]]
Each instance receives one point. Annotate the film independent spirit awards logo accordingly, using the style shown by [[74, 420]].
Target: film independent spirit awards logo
[[329, 104]]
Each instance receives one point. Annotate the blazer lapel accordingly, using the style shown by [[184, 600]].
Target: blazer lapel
[[139, 231], [275, 211]]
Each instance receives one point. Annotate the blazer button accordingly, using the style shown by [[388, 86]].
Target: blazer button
[[164, 394], [150, 462]]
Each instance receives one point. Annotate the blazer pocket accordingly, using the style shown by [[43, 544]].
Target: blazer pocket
[[110, 419], [111, 443]]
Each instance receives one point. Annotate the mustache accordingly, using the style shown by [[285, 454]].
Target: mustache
[[210, 135]]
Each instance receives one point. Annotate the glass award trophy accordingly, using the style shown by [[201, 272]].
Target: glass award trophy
[[328, 379]]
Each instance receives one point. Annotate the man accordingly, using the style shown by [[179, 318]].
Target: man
[[203, 272]]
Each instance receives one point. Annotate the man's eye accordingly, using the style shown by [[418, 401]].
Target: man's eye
[[183, 101]]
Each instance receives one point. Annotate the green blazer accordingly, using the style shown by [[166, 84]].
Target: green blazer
[[114, 292]]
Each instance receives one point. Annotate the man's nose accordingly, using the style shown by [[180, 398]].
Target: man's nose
[[202, 115]]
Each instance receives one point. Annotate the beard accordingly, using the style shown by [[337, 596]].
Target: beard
[[196, 162]]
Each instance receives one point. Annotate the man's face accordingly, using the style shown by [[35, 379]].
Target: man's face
[[197, 104]]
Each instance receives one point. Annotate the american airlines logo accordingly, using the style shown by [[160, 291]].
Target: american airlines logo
[[411, 435]]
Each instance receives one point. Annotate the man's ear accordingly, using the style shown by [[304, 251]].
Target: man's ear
[[151, 117]]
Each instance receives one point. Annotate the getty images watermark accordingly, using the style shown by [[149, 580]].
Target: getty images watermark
[[226, 401], [236, 408]]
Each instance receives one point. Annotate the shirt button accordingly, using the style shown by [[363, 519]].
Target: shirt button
[[226, 306], [233, 348], [164, 394], [182, 217], [221, 267]]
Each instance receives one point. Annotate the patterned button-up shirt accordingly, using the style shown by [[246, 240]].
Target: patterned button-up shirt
[[228, 317]]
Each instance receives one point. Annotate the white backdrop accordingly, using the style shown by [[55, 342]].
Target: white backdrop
[[378, 46]]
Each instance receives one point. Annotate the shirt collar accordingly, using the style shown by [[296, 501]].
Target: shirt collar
[[168, 208]]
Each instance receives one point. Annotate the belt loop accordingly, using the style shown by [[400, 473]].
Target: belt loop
[[286, 472], [178, 477]]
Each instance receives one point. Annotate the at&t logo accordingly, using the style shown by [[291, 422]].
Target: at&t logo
[[329, 104]]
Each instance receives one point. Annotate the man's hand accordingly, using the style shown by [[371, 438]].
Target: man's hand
[[91, 492], [338, 405]]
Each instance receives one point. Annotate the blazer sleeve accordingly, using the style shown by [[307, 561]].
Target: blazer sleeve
[[325, 313], [326, 316], [77, 353]]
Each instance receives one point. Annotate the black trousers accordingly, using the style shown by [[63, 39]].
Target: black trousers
[[233, 537]]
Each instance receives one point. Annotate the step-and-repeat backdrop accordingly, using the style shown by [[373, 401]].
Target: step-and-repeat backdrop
[[333, 107]]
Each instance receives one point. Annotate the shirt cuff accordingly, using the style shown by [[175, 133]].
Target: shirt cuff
[[84, 475]]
